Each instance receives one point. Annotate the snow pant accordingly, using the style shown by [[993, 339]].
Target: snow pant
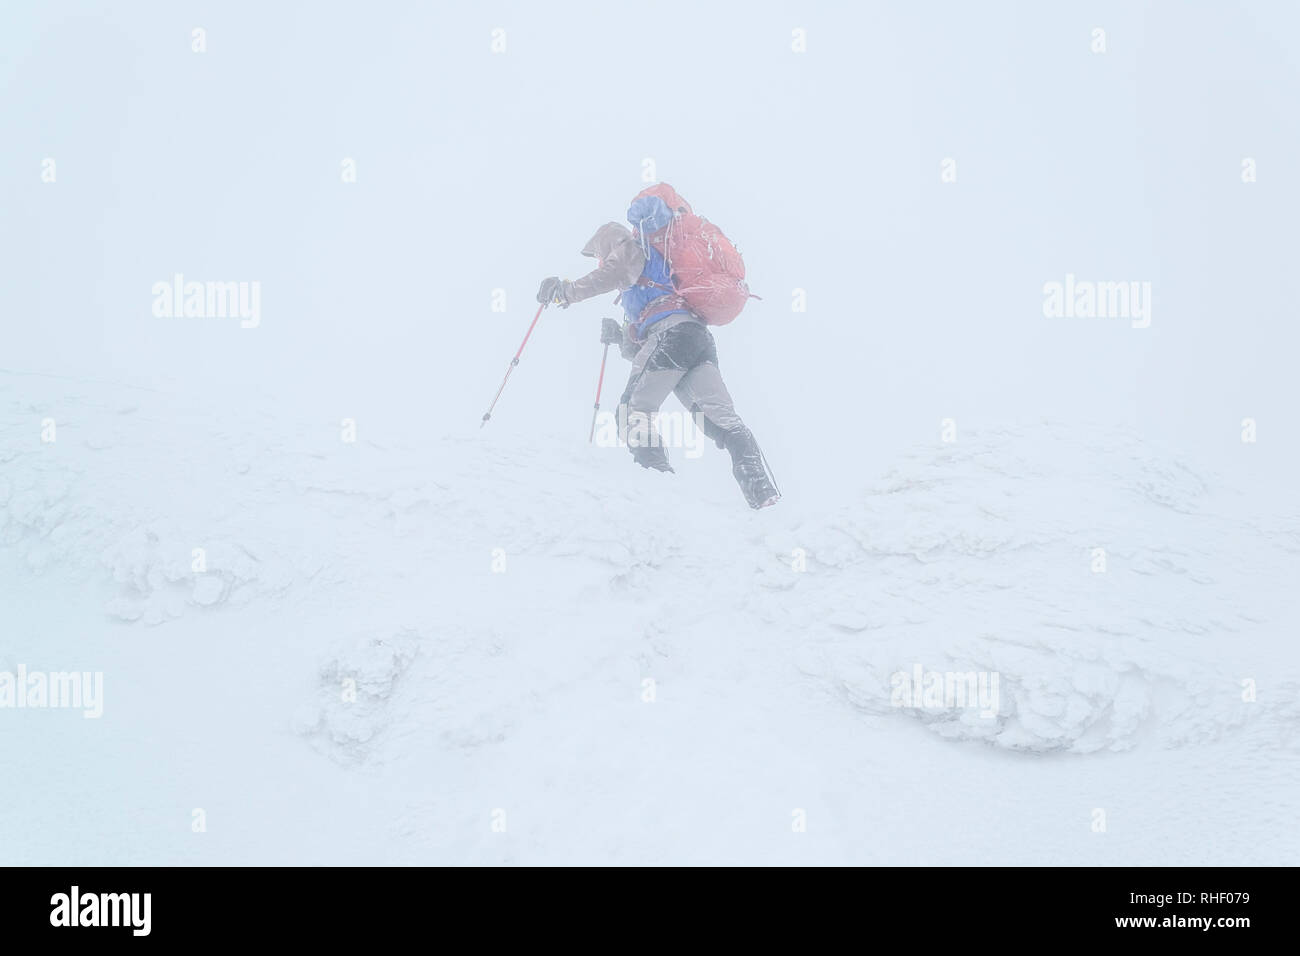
[[683, 359]]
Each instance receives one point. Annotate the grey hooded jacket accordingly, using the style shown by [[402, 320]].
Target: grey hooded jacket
[[620, 261]]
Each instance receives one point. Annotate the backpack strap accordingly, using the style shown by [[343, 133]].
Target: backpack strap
[[647, 281], [646, 321]]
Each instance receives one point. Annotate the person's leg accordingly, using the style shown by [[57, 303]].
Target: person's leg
[[703, 392], [656, 371]]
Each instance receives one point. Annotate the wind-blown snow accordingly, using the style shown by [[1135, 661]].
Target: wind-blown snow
[[525, 691]]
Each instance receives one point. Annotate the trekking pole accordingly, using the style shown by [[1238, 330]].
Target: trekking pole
[[600, 382], [513, 362]]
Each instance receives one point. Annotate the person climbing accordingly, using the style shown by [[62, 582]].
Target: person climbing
[[676, 275]]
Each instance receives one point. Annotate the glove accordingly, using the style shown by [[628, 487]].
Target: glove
[[628, 346], [552, 290], [611, 333]]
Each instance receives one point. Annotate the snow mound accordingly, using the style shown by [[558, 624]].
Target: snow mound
[[1109, 589], [356, 688]]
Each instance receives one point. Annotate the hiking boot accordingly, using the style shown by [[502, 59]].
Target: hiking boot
[[652, 456], [754, 482], [748, 468]]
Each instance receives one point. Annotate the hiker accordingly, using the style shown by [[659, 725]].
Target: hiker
[[667, 339]]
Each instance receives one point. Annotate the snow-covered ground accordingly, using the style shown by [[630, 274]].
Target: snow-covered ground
[[560, 658]]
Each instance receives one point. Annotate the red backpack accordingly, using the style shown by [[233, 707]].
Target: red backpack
[[706, 270]]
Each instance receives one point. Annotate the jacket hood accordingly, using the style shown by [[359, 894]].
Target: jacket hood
[[607, 238]]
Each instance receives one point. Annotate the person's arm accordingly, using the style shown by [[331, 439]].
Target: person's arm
[[618, 270]]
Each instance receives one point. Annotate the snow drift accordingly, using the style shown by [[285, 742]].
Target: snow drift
[[465, 617]]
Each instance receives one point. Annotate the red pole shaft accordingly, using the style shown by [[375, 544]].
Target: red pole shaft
[[513, 362], [529, 332], [600, 383]]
